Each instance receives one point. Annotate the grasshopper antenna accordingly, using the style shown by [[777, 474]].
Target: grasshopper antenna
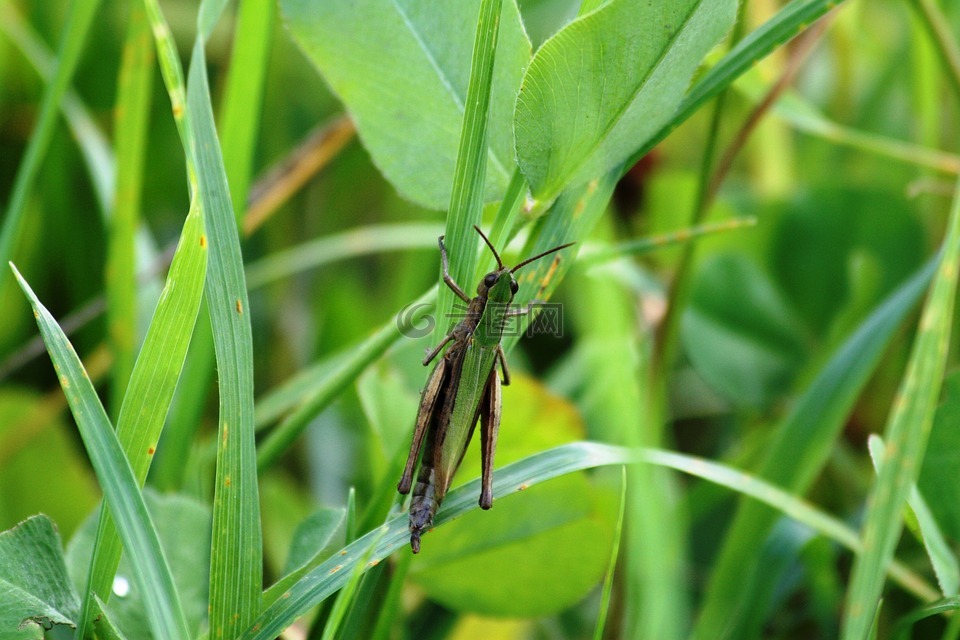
[[537, 257], [487, 240]]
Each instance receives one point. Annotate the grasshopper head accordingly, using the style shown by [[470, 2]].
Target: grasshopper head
[[500, 285]]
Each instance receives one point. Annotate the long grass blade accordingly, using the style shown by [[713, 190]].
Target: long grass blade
[[149, 567], [236, 569], [327, 578], [799, 448], [132, 120], [906, 437], [466, 199], [612, 567], [79, 19], [243, 96], [942, 558], [151, 388]]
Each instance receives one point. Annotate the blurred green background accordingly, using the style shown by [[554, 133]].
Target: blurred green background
[[847, 207]]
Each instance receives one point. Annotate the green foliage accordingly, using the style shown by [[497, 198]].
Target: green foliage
[[408, 97], [271, 366], [606, 83]]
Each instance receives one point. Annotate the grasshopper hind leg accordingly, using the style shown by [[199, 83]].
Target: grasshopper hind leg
[[428, 400], [489, 430]]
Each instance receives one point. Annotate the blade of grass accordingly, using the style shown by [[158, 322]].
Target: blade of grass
[[349, 591], [79, 18], [800, 446], [132, 119], [243, 96], [907, 432], [149, 567], [236, 568], [466, 199], [93, 143], [330, 576], [151, 389], [942, 559], [612, 567], [947, 605]]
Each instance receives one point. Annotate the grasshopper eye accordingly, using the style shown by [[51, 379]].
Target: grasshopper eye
[[514, 287], [490, 280]]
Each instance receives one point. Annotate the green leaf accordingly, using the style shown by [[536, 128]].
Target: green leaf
[[788, 23], [906, 435], [606, 83], [117, 479], [402, 68], [34, 586]]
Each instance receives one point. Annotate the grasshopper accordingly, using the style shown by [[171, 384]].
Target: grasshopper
[[462, 388]]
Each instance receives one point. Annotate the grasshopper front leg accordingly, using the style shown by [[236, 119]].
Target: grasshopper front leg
[[447, 278], [427, 403], [490, 408]]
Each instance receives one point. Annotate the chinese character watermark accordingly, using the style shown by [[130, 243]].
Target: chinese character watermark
[[537, 318]]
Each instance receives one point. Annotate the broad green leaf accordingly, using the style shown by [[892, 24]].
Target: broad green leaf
[[470, 565], [607, 82], [795, 18], [796, 453], [34, 586], [120, 487], [906, 435], [402, 68]]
